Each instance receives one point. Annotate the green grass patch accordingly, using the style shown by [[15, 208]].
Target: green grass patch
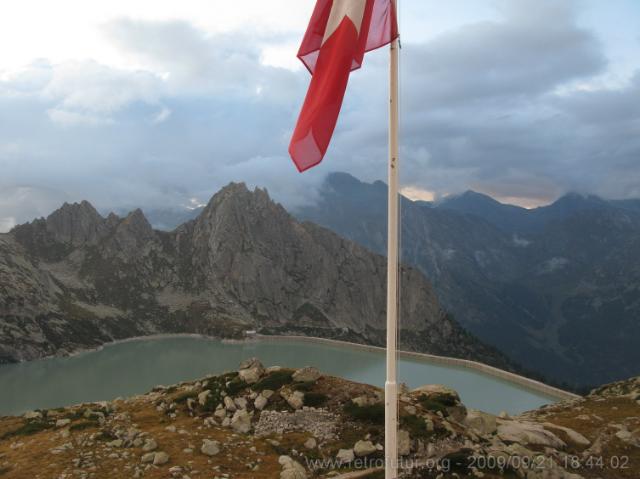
[[273, 381], [28, 428], [416, 426], [182, 397], [75, 415], [105, 436], [235, 386], [81, 426], [444, 399], [214, 398], [313, 399], [304, 387], [373, 413], [217, 386], [434, 405]]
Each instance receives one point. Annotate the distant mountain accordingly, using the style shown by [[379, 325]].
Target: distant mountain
[[515, 219], [556, 288], [167, 219], [505, 217], [627, 204], [77, 279]]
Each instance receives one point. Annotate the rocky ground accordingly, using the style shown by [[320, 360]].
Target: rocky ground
[[295, 424]]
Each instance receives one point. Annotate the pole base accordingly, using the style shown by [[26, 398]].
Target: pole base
[[391, 430]]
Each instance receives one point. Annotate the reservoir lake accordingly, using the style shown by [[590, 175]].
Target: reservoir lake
[[135, 366]]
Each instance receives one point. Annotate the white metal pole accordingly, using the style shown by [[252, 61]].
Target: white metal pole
[[391, 386]]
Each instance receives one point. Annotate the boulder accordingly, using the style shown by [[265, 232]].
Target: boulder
[[364, 401], [251, 376], [528, 434], [148, 457], [260, 402], [573, 437], [267, 393], [364, 448], [241, 421], [305, 375], [345, 456], [251, 370], [444, 397], [310, 443], [410, 409], [291, 469], [404, 442], [210, 448], [160, 458], [229, 404], [203, 396], [32, 415], [150, 445], [63, 422], [250, 363], [295, 399], [630, 437], [483, 423]]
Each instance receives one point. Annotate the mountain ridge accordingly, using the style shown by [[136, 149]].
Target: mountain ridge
[[550, 288], [77, 279]]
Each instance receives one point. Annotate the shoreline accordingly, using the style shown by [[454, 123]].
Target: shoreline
[[465, 364], [476, 366]]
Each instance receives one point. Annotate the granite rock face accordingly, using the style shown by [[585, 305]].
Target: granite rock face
[[77, 279]]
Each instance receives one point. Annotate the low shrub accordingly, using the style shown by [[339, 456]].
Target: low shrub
[[415, 426], [304, 387], [313, 399], [434, 405], [235, 386], [273, 381], [372, 413]]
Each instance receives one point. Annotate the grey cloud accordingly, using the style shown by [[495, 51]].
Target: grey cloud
[[23, 203], [481, 109], [225, 63], [535, 48]]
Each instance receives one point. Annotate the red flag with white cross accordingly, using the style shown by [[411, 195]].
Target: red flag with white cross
[[339, 34]]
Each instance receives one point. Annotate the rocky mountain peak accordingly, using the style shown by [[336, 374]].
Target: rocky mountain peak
[[239, 222], [236, 205], [134, 231], [112, 220], [239, 194], [76, 224]]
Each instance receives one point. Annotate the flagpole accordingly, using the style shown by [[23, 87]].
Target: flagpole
[[391, 385]]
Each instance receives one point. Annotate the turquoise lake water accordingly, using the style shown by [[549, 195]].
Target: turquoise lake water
[[134, 367]]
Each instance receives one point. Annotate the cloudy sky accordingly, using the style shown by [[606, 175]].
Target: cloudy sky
[[160, 103]]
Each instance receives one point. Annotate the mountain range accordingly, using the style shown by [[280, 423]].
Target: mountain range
[[77, 279], [556, 288]]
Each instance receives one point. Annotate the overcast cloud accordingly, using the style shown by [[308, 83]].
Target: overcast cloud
[[527, 101]]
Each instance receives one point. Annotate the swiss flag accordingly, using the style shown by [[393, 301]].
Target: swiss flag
[[339, 34]]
